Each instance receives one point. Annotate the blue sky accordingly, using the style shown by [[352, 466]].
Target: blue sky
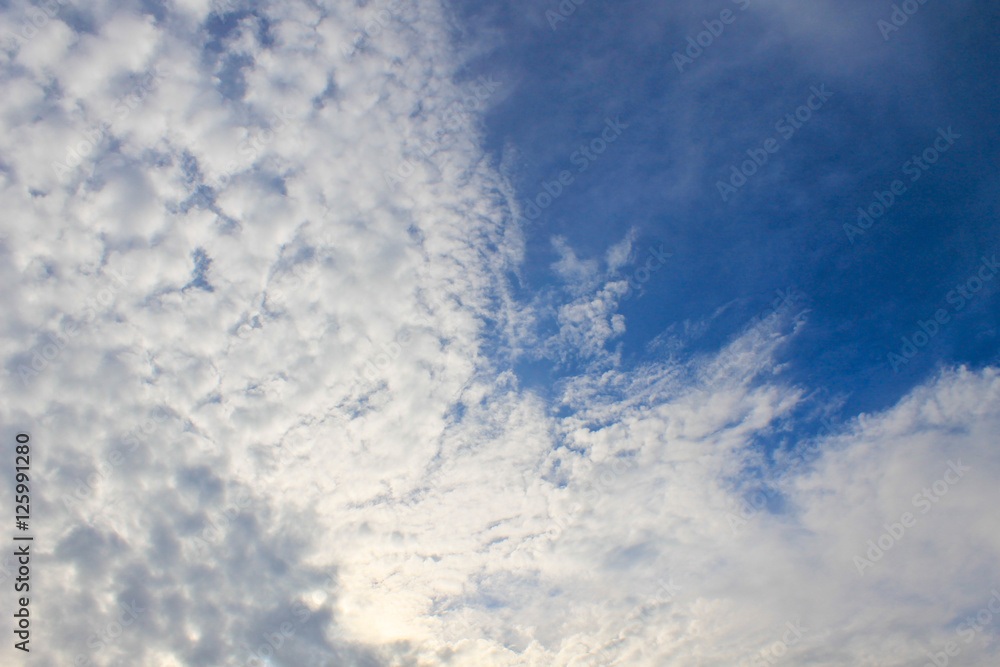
[[450, 333], [787, 226]]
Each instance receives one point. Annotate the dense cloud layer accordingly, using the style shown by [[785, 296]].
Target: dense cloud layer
[[260, 327]]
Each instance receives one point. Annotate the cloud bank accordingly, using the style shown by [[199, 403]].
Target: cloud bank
[[263, 327]]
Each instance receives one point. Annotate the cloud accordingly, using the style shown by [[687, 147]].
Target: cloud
[[217, 474]]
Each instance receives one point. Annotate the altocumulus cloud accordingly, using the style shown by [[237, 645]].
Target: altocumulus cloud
[[282, 507]]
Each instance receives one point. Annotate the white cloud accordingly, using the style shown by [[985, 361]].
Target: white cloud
[[435, 512]]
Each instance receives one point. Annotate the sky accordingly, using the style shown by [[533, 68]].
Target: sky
[[579, 333]]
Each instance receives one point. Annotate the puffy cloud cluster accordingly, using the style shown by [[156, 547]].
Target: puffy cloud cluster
[[195, 308]]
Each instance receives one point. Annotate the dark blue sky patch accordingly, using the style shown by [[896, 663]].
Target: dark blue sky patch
[[789, 224], [202, 264], [232, 81], [220, 26], [155, 8]]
